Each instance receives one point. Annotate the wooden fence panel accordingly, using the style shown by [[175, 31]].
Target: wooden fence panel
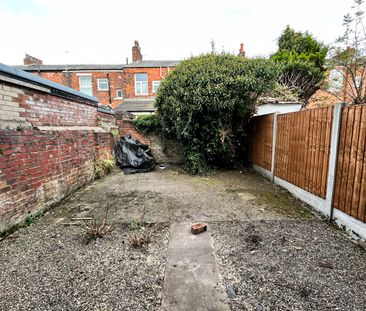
[[261, 140], [350, 186], [302, 148]]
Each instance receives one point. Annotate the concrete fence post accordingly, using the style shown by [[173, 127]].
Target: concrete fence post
[[274, 138], [332, 167]]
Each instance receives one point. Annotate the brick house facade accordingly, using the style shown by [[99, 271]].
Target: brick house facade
[[116, 85], [102, 81]]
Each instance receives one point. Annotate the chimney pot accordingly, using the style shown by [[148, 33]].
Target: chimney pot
[[136, 52], [31, 60], [241, 50]]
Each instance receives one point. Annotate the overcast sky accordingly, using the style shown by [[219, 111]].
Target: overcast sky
[[103, 31]]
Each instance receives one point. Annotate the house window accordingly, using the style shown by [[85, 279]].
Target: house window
[[103, 84], [335, 80], [119, 94], [85, 85], [141, 84], [155, 85]]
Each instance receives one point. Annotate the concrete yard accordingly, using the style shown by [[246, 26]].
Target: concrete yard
[[264, 250]]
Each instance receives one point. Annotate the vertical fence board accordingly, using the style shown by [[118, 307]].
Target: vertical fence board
[[302, 148], [347, 159], [356, 190], [353, 161], [350, 187], [261, 137]]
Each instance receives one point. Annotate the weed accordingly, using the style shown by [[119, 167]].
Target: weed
[[103, 167], [29, 219], [94, 228], [139, 239], [135, 225]]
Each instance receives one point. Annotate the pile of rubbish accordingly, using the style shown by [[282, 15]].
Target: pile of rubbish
[[132, 156]]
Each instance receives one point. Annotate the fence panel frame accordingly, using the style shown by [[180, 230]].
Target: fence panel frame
[[324, 206]]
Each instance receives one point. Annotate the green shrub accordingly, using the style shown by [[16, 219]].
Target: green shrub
[[147, 123], [302, 58], [206, 102]]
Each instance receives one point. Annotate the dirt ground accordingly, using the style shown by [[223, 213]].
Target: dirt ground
[[273, 252], [169, 195]]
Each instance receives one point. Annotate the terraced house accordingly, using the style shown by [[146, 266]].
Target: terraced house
[[124, 87]]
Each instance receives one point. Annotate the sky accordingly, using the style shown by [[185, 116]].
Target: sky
[[103, 31]]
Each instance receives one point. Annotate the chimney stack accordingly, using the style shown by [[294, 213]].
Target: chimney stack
[[136, 52], [241, 51], [31, 60]]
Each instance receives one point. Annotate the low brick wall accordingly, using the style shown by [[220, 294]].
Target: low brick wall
[[48, 147], [164, 151]]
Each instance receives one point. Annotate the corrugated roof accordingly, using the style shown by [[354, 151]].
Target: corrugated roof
[[153, 64], [34, 79], [137, 105], [78, 67]]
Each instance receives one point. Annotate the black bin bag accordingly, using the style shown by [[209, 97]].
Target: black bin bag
[[133, 156]]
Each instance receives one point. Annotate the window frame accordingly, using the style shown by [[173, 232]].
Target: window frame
[[141, 93], [119, 90], [98, 85], [153, 87], [91, 84]]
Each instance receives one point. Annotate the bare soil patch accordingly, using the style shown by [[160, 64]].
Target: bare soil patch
[[172, 196]]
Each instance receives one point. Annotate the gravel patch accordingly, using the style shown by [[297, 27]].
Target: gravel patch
[[290, 265], [49, 267]]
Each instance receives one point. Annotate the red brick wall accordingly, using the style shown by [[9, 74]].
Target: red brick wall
[[126, 127], [71, 79], [106, 119], [154, 74], [40, 167], [49, 110]]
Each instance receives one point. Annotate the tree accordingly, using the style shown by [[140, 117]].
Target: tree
[[348, 55], [206, 102], [302, 58]]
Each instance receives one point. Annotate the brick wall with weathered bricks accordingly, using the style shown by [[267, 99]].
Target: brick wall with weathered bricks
[[48, 146], [164, 151]]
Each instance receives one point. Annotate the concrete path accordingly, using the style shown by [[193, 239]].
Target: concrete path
[[192, 280]]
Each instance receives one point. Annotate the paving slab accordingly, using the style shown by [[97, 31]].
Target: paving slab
[[192, 280]]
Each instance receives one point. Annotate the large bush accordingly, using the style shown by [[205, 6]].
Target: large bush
[[206, 102]]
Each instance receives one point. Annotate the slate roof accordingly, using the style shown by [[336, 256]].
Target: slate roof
[[153, 64], [137, 105], [37, 80], [78, 67], [81, 67]]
